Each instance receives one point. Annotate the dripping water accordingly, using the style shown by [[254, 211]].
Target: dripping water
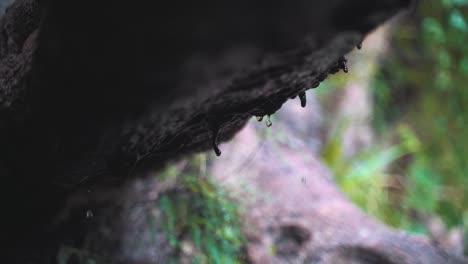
[[359, 45], [342, 64], [303, 98], [214, 142], [259, 118], [89, 214], [268, 122]]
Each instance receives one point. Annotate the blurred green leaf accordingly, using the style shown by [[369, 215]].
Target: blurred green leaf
[[457, 21], [433, 30], [424, 83], [464, 65]]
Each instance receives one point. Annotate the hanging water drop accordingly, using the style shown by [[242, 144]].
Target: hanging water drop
[[259, 118], [268, 122], [342, 63], [303, 98], [214, 142], [89, 214], [359, 45], [217, 150]]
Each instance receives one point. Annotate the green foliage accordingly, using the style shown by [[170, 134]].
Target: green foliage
[[421, 110], [364, 177], [423, 85], [201, 213]]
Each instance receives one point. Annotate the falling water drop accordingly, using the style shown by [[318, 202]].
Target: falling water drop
[[268, 122], [359, 45], [89, 214], [303, 98], [214, 141], [259, 118]]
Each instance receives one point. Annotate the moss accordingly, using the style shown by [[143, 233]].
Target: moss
[[201, 221]]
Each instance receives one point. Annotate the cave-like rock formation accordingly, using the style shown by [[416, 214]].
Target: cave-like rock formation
[[94, 93]]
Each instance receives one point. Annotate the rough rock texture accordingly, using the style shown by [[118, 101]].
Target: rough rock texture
[[95, 93]]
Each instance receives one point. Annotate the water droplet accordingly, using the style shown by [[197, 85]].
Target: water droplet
[[268, 122], [89, 214], [303, 180], [342, 63], [214, 141], [303, 98], [359, 45], [259, 118]]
